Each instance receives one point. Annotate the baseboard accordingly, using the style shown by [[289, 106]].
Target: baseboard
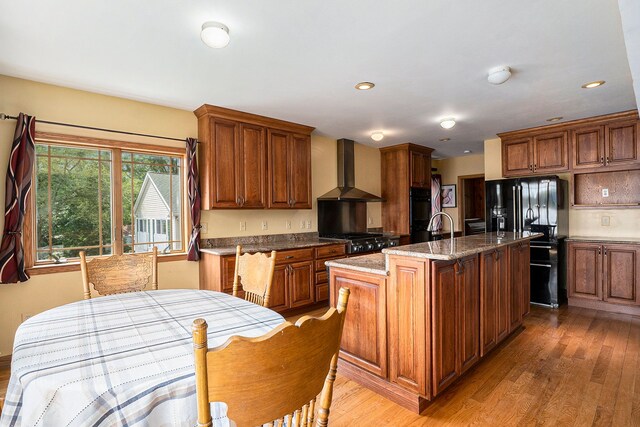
[[5, 362], [604, 306]]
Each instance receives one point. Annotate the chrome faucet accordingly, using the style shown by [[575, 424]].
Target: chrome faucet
[[450, 223]]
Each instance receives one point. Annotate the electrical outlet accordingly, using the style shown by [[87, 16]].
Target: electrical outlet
[[309, 225], [243, 225], [265, 225], [302, 224], [605, 221], [288, 225], [204, 227], [605, 192]]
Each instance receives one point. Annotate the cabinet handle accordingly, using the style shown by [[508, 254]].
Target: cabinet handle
[[605, 251], [288, 257], [602, 159], [535, 166], [607, 159], [460, 268], [293, 202], [238, 202], [599, 251]]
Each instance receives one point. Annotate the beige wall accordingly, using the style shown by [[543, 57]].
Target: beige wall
[[56, 103], [451, 169], [582, 222]]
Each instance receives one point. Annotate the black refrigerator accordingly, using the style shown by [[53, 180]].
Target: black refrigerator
[[537, 204]]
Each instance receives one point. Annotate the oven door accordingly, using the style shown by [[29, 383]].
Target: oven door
[[544, 274]]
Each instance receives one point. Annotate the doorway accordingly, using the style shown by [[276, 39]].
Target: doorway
[[471, 211]]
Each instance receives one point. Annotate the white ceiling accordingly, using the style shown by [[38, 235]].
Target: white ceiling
[[299, 60]]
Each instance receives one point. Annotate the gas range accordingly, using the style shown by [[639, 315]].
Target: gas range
[[365, 242]]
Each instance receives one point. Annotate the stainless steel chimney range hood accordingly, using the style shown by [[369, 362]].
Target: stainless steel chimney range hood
[[346, 189]]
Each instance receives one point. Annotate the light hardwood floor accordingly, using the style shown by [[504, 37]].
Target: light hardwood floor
[[568, 367]]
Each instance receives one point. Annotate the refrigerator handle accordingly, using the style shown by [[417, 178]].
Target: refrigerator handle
[[515, 210], [521, 221]]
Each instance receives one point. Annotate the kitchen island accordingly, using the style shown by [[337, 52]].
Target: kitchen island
[[422, 315]]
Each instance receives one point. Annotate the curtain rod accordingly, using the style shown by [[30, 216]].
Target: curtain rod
[[4, 116]]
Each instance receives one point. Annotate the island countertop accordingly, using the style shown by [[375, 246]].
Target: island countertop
[[460, 246], [373, 263]]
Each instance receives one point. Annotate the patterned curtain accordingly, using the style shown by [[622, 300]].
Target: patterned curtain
[[193, 183], [436, 201], [19, 170]]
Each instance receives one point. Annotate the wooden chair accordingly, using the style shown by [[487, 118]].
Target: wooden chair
[[1, 404], [119, 273], [254, 273], [273, 377]]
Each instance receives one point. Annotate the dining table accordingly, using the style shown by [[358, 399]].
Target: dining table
[[122, 360]]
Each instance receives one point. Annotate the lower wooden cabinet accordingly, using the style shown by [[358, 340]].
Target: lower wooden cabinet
[[519, 283], [300, 283], [364, 339], [607, 272]]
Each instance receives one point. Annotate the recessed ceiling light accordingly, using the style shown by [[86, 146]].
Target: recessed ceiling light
[[467, 151], [377, 136], [448, 123], [555, 119], [591, 85], [364, 86], [215, 34], [444, 139], [499, 75]]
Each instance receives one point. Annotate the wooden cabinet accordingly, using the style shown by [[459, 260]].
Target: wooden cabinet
[[252, 162], [455, 320], [289, 168], [494, 299], [300, 283], [364, 337], [539, 154], [279, 300], [588, 147], [322, 255], [519, 283], [622, 144], [407, 324], [402, 167], [607, 272]]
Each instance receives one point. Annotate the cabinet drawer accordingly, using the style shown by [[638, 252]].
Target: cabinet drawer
[[330, 251], [322, 292], [294, 255], [322, 277], [320, 266]]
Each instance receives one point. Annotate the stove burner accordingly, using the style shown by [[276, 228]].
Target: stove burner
[[365, 242]]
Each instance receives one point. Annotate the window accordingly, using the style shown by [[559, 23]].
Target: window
[[106, 199]]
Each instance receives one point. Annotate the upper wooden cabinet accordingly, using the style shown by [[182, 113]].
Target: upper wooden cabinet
[[403, 166], [610, 141], [252, 162]]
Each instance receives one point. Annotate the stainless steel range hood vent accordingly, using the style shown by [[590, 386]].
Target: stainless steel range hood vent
[[346, 189]]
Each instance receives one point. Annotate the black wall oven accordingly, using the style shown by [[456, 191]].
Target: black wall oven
[[419, 214]]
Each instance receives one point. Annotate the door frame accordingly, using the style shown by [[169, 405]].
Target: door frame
[[461, 180]]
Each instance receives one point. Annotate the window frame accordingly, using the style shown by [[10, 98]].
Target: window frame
[[29, 235]]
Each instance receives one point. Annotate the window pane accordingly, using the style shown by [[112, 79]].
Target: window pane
[[152, 200], [73, 201]]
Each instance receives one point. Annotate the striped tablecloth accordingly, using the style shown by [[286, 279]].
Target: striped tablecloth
[[121, 360]]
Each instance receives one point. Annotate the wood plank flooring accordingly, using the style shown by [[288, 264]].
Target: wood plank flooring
[[568, 367]]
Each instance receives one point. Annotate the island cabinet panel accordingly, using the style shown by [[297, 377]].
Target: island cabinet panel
[[407, 312], [494, 299], [525, 277], [364, 338], [468, 311], [515, 288]]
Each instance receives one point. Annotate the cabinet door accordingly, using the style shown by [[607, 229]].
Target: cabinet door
[[417, 166], [488, 301], [223, 160], [252, 174], [551, 153], [228, 272], [588, 147], [502, 278], [525, 277], [622, 143], [300, 172], [301, 284], [515, 288], [407, 318], [517, 157], [585, 270], [469, 312], [278, 169], [621, 269], [444, 323], [279, 299], [364, 336]]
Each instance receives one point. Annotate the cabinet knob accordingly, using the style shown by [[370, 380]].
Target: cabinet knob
[[602, 159], [238, 201], [288, 257]]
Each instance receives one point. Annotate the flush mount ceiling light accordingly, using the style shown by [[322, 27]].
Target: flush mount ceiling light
[[467, 151], [365, 86], [591, 85], [445, 139], [555, 119], [499, 75], [377, 136], [448, 123], [215, 34]]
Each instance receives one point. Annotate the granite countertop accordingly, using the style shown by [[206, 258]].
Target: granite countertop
[[268, 243], [460, 246], [373, 263], [608, 239]]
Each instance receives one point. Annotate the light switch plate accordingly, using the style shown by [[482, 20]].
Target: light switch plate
[[605, 192], [265, 225], [288, 225], [605, 221], [243, 225], [204, 228]]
